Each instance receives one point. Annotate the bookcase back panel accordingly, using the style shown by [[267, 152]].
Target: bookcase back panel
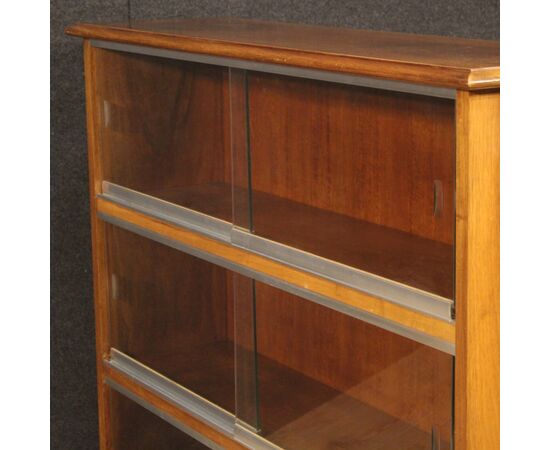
[[361, 176], [368, 154]]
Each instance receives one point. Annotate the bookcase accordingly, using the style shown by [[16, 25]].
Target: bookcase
[[295, 236]]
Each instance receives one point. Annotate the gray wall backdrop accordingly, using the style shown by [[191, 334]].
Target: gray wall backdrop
[[73, 392]]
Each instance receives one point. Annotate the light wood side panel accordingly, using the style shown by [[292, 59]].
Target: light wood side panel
[[348, 296], [99, 257], [477, 278], [170, 409]]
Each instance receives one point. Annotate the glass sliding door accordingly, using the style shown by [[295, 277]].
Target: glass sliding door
[[298, 374], [326, 380], [358, 176], [165, 130], [173, 313]]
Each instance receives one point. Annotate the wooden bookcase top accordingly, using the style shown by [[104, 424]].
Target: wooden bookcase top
[[459, 63]]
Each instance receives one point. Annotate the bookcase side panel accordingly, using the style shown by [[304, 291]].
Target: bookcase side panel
[[477, 272], [100, 284]]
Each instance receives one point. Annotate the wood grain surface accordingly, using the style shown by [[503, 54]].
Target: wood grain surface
[[478, 272], [154, 433], [99, 255], [369, 154], [343, 152], [163, 123], [165, 303], [369, 366], [169, 408], [444, 61], [404, 257], [344, 172], [426, 324]]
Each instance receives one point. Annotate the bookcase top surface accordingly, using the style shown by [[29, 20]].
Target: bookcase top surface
[[436, 60]]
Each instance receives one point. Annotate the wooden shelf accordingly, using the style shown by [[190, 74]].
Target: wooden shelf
[[168, 408], [428, 325], [418, 262], [297, 411], [207, 370]]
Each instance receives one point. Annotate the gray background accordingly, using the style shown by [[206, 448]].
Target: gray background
[[73, 391]]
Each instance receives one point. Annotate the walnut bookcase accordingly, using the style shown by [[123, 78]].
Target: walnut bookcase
[[295, 236]]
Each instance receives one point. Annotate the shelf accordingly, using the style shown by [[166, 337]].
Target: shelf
[[208, 371], [299, 412], [421, 263], [174, 320], [155, 400], [398, 319]]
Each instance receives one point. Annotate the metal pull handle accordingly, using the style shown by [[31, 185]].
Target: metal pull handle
[[438, 198], [106, 114]]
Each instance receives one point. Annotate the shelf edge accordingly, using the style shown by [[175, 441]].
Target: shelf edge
[[437, 333]]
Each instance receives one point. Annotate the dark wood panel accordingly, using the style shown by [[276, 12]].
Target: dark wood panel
[[164, 123], [314, 362], [404, 316], [400, 256], [400, 377], [455, 62], [423, 263], [135, 428], [165, 302], [296, 408], [169, 408], [364, 153], [298, 412]]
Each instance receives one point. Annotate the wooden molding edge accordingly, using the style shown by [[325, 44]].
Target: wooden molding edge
[[435, 75], [428, 325]]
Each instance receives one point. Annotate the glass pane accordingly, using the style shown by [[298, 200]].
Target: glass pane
[[174, 313], [240, 149], [327, 380], [135, 428], [245, 352], [360, 176], [165, 129]]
